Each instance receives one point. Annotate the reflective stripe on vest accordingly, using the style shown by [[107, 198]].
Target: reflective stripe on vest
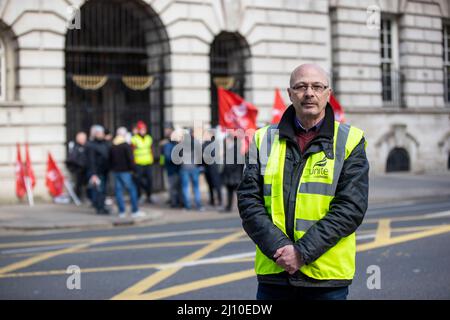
[[316, 190], [142, 149]]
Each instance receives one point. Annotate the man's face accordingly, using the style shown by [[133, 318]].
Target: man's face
[[81, 138], [167, 132], [142, 131], [309, 92]]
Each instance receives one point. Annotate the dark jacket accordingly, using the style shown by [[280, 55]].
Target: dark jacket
[[210, 163], [233, 164], [346, 212], [121, 156], [171, 167], [191, 152], [77, 158], [98, 157]]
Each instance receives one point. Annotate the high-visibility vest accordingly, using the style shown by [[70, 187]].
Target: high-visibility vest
[[142, 152], [315, 191]]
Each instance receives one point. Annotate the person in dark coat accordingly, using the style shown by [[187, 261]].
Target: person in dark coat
[[77, 163], [233, 168], [172, 169], [122, 166], [302, 212], [98, 167], [212, 174]]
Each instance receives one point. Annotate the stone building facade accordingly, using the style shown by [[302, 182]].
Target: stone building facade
[[389, 62]]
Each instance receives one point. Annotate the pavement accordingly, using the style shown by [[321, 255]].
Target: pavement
[[390, 188]]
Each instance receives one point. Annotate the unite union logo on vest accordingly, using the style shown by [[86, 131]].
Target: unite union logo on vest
[[319, 169]]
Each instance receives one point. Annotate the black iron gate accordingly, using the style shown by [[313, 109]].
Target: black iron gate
[[115, 66], [228, 67]]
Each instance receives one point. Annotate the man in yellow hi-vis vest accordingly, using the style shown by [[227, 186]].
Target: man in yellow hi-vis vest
[[303, 194], [141, 143]]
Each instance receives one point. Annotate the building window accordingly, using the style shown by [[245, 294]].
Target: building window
[[2, 71], [390, 74], [446, 51]]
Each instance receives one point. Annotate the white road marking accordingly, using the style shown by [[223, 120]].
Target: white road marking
[[366, 236], [34, 249], [438, 214]]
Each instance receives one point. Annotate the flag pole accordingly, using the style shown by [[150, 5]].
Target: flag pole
[[29, 191], [72, 194]]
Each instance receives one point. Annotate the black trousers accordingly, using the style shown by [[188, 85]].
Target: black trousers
[[80, 178], [281, 292], [143, 179], [214, 188], [231, 189]]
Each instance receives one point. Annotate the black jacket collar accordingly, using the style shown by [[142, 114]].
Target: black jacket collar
[[287, 124]]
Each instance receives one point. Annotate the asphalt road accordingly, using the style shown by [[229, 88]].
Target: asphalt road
[[402, 253]]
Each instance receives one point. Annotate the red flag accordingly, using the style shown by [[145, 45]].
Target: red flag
[[28, 168], [278, 107], [338, 111], [54, 180], [235, 112], [20, 175]]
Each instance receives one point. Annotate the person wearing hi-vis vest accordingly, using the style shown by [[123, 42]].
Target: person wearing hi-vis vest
[[141, 143], [303, 194]]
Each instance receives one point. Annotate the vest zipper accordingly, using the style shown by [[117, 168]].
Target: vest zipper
[[290, 212], [299, 165]]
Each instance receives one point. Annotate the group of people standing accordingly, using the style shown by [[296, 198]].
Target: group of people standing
[[187, 155], [129, 159]]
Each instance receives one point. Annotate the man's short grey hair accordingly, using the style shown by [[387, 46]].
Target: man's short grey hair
[[121, 131]]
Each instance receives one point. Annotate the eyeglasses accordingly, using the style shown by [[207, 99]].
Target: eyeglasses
[[302, 88]]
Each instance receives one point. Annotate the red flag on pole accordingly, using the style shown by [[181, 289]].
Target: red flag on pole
[[28, 168], [278, 107], [338, 110], [235, 112], [20, 175], [54, 180]]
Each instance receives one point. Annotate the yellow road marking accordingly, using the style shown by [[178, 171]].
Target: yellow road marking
[[111, 238], [41, 257], [145, 284], [199, 242], [87, 270], [196, 285], [201, 284], [133, 247], [383, 239], [109, 269], [155, 266], [383, 231], [403, 238]]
